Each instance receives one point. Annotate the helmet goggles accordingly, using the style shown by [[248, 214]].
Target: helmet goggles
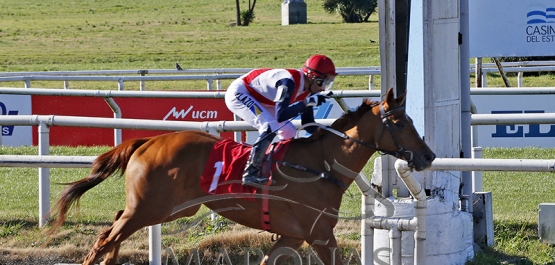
[[325, 83]]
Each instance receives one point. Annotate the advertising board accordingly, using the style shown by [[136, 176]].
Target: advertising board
[[174, 109], [505, 28], [515, 135], [15, 105]]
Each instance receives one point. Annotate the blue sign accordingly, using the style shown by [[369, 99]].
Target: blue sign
[[7, 130], [518, 130]]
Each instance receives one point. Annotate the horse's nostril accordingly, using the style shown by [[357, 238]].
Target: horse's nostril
[[430, 157]]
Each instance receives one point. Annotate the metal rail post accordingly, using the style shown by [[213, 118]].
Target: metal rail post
[[44, 175]]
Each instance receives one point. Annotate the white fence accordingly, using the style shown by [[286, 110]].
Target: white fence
[[155, 249], [339, 95], [218, 74], [45, 121], [44, 162], [513, 67], [210, 75]]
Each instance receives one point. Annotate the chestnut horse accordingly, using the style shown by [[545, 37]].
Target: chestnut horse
[[162, 180]]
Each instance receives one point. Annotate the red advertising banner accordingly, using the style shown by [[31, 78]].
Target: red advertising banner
[[174, 109]]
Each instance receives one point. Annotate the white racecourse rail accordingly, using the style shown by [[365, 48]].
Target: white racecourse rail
[[44, 162], [217, 74], [418, 223]]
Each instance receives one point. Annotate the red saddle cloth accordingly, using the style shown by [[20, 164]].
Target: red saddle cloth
[[226, 163]]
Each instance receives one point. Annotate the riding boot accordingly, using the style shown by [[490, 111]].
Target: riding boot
[[252, 170]]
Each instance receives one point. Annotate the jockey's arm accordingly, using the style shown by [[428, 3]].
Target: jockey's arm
[[285, 110], [308, 117]]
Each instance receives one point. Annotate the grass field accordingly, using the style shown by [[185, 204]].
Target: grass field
[[52, 35], [515, 203]]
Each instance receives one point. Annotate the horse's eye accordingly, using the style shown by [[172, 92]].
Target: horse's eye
[[399, 125]]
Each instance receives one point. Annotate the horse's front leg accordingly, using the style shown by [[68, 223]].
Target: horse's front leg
[[327, 250], [282, 250]]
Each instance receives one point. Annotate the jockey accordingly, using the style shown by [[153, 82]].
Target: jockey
[[270, 98]]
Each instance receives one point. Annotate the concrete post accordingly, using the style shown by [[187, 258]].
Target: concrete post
[[434, 104], [293, 12]]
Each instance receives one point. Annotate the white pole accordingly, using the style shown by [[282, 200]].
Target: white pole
[[117, 115], [420, 209], [120, 84], [210, 83], [476, 175], [491, 164], [44, 176], [394, 246], [155, 245], [366, 231]]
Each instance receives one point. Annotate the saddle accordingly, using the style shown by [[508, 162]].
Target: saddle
[[225, 165]]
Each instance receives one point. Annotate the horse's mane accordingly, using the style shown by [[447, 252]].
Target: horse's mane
[[345, 122]]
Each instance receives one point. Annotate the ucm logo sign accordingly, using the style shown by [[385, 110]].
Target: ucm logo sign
[[7, 130], [533, 130], [195, 114]]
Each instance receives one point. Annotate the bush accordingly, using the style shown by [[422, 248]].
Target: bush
[[247, 17]]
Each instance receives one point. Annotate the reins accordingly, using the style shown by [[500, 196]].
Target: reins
[[384, 115], [386, 122]]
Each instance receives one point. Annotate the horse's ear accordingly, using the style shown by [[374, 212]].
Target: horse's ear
[[392, 101], [389, 97]]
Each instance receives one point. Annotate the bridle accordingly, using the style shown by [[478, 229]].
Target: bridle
[[401, 153]]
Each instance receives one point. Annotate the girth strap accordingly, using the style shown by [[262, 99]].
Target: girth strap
[[266, 210], [322, 175], [265, 214]]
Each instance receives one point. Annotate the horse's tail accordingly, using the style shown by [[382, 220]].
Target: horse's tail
[[102, 167]]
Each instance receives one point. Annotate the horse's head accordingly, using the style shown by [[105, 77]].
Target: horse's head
[[397, 135]]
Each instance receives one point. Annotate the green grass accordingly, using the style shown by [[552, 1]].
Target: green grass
[[55, 35], [102, 35], [516, 196]]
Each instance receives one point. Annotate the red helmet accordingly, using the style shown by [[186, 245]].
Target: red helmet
[[319, 66]]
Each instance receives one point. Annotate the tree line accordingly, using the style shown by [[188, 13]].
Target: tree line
[[351, 11]]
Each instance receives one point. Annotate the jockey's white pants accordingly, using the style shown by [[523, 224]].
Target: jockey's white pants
[[260, 116]]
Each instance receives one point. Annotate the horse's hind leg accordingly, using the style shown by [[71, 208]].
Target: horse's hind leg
[[111, 238], [129, 221], [281, 250], [97, 251], [112, 255]]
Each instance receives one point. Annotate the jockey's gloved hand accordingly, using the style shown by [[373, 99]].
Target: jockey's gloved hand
[[317, 99]]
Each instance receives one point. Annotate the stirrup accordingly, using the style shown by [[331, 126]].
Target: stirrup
[[252, 177], [250, 180]]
